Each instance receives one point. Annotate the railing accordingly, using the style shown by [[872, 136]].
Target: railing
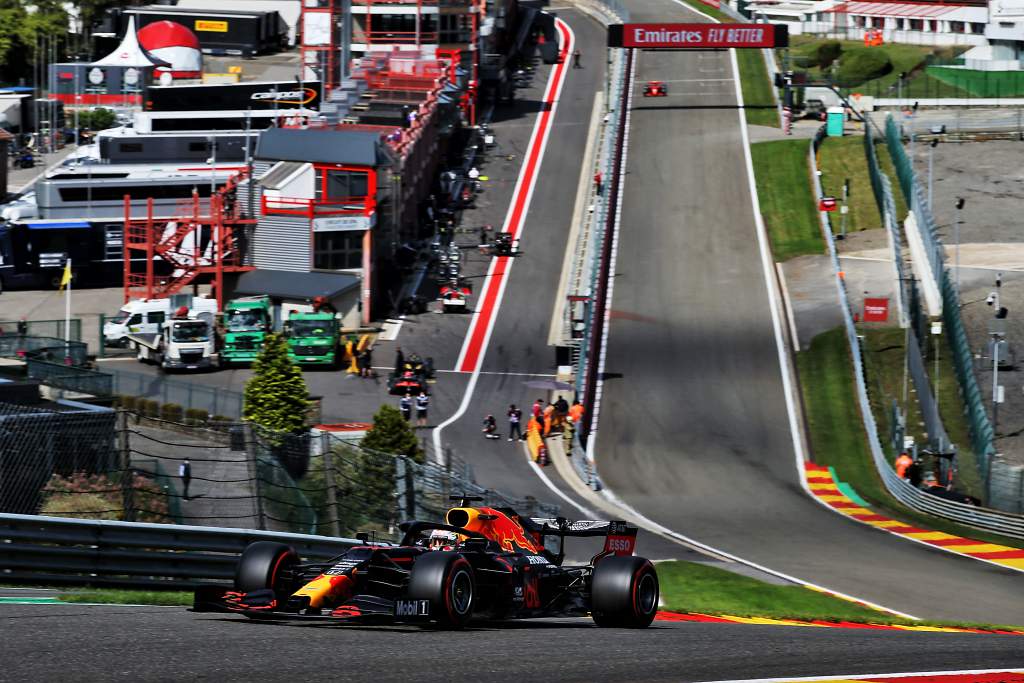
[[299, 206], [25, 346], [991, 520], [71, 551], [70, 377], [42, 328]]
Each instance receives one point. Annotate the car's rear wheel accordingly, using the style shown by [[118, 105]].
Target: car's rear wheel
[[447, 581], [624, 592], [261, 566]]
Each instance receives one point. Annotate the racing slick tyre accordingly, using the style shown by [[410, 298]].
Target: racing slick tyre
[[261, 564], [446, 580], [624, 592]]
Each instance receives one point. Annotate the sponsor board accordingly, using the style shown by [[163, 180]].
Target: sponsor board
[[211, 26], [697, 36]]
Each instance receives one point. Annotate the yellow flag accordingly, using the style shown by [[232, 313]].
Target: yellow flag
[[65, 279]]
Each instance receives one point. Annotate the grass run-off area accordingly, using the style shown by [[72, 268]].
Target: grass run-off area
[[841, 160], [127, 597], [784, 192], [838, 439], [909, 59]]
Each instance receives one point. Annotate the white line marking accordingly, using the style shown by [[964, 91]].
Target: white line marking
[[859, 677], [554, 97], [463, 372], [587, 514], [789, 309], [657, 528]]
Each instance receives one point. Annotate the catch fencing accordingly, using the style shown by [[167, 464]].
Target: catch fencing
[[88, 466], [586, 267], [189, 395], [1004, 483], [992, 520]]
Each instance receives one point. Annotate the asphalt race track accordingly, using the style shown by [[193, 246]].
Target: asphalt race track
[[694, 431], [167, 643]]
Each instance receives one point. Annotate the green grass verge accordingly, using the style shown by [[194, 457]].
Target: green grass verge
[[783, 188], [841, 159], [837, 435], [128, 597], [885, 164], [758, 102], [694, 587]]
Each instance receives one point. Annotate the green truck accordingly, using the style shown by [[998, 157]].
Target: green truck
[[313, 338], [246, 323]]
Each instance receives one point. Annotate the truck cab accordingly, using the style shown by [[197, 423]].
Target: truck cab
[[313, 338], [146, 316], [246, 324], [185, 342]]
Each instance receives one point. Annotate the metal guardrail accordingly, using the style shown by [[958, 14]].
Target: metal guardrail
[[983, 518], [73, 551]]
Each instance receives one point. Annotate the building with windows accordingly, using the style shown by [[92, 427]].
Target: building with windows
[[341, 198]]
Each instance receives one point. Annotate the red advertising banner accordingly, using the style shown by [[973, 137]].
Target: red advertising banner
[[876, 310], [682, 36]]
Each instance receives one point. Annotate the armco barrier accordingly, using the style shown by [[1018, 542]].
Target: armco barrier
[[991, 520], [73, 551]]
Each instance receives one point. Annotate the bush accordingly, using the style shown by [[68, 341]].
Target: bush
[[171, 412], [827, 53], [196, 416], [862, 64], [129, 403], [149, 407]]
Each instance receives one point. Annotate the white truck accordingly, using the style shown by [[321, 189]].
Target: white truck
[[145, 316], [185, 342]]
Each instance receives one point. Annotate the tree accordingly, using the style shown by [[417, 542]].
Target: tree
[[392, 434], [276, 397]]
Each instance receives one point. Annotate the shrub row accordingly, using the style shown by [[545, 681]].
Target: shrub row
[[172, 412]]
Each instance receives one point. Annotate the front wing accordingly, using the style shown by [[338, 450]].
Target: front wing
[[358, 608]]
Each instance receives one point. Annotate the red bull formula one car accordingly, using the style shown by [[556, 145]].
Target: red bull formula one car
[[482, 563]]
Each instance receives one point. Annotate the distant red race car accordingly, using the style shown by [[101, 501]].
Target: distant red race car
[[655, 89]]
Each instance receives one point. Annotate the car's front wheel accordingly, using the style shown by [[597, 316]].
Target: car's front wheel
[[261, 565], [624, 592], [447, 581]]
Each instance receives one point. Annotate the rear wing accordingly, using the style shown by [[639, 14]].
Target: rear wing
[[620, 538]]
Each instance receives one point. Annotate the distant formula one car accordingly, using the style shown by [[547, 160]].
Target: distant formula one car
[[484, 562], [454, 297], [412, 377], [655, 89]]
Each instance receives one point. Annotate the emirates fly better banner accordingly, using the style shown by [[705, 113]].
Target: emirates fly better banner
[[697, 36]]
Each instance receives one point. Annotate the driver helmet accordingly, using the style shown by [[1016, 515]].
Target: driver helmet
[[442, 540]]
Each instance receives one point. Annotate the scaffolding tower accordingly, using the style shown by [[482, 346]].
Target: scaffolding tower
[[197, 247]]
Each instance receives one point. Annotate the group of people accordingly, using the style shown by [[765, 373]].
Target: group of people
[[543, 419], [910, 470], [422, 403]]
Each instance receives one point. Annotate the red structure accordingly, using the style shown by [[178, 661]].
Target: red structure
[[196, 246]]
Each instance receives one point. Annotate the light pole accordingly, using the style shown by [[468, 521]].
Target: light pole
[[212, 142], [931, 154], [960, 201], [936, 333]]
